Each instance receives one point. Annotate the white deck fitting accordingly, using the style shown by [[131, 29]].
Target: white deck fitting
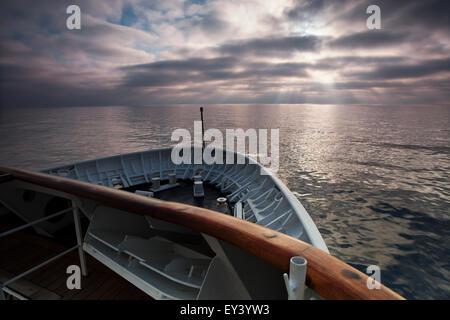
[[144, 193], [156, 183], [198, 189], [165, 187], [172, 178], [264, 199]]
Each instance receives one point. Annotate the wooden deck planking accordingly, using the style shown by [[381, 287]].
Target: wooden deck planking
[[22, 250]]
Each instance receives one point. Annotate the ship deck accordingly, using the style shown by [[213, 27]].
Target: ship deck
[[183, 193], [23, 250]]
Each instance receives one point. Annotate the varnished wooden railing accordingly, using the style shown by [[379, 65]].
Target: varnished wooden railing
[[327, 275]]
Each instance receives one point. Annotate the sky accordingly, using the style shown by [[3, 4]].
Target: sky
[[132, 52]]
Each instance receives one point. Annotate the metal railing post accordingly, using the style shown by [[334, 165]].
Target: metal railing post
[[295, 282], [76, 218]]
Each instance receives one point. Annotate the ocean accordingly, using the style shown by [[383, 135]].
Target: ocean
[[375, 179]]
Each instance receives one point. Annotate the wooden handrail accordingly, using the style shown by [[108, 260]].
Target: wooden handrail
[[325, 274], [5, 177]]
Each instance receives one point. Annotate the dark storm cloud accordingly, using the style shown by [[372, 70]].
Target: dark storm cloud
[[334, 63], [415, 85], [404, 14], [30, 86], [368, 39], [398, 14], [367, 85], [180, 72], [212, 23], [308, 9], [272, 46], [411, 14], [193, 64], [171, 56], [421, 69], [433, 14]]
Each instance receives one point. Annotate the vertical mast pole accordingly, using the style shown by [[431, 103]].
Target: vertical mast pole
[[203, 128]]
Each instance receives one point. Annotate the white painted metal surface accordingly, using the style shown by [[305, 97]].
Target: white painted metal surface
[[257, 197], [295, 281], [198, 189]]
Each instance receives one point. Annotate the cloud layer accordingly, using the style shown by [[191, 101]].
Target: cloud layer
[[223, 51]]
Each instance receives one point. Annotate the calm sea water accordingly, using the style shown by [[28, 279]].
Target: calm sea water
[[376, 180]]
